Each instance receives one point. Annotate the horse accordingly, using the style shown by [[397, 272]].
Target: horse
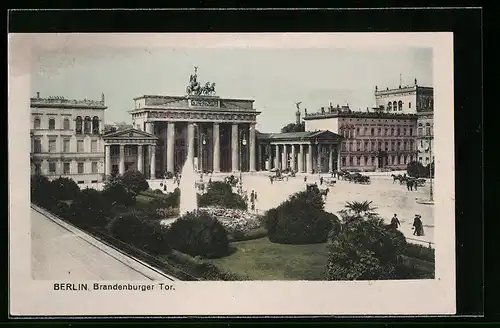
[[396, 177]]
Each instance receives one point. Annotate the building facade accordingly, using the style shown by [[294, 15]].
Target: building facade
[[66, 138], [370, 140]]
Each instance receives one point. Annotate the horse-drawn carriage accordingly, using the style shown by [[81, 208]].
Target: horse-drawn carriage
[[356, 178], [331, 182]]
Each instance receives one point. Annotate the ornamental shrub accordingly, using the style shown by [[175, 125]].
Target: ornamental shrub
[[199, 234], [364, 249], [300, 219], [117, 194], [65, 188], [221, 194], [137, 230], [42, 193]]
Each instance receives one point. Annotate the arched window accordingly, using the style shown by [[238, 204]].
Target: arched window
[[95, 125], [52, 124], [36, 123], [394, 106], [389, 106], [419, 130], [79, 125], [427, 129], [400, 105], [66, 124], [87, 125]]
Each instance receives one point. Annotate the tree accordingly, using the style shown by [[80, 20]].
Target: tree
[[42, 193], [294, 127], [135, 182], [90, 209], [65, 188], [117, 194], [221, 194]]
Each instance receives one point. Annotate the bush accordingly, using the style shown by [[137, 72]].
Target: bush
[[420, 252], [364, 250], [417, 170], [41, 192], [135, 228], [117, 194], [250, 235], [90, 209], [221, 194], [65, 189], [134, 181], [300, 219], [199, 234], [158, 191]]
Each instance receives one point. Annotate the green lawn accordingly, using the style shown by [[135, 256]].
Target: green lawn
[[262, 260]]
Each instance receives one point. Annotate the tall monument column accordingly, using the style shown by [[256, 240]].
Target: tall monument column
[[152, 151], [300, 159], [107, 149], [292, 157], [122, 159], [310, 159], [170, 146], [216, 145], [330, 159], [284, 158], [190, 142], [277, 157], [140, 159], [252, 147], [234, 148]]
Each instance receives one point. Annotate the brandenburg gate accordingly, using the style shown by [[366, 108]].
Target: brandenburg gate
[[218, 134]]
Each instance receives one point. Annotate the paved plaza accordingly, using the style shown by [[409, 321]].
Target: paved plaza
[[388, 197]]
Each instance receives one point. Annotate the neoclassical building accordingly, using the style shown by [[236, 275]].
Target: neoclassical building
[[66, 138]]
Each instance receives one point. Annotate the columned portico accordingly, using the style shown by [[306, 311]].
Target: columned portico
[[301, 159], [234, 147], [252, 147], [216, 145], [125, 151]]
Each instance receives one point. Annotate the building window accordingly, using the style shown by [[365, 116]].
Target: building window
[[411, 132], [373, 131], [366, 160], [405, 145], [36, 123], [399, 145], [351, 161], [393, 146], [411, 145], [66, 124], [93, 146], [389, 106], [343, 161], [404, 131], [392, 131], [398, 131], [419, 132], [66, 145], [421, 144], [78, 125], [52, 124], [409, 104], [94, 167], [358, 146], [373, 145], [358, 161], [400, 105], [394, 106], [95, 125], [80, 168], [114, 150], [394, 160], [366, 145], [386, 145], [37, 146], [365, 132], [87, 125], [386, 131], [52, 146], [379, 145], [38, 169], [427, 129], [66, 168], [52, 167], [343, 146], [373, 160], [79, 146]]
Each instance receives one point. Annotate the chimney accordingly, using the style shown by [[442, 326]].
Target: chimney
[[38, 94]]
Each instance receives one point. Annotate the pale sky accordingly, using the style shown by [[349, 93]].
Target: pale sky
[[274, 78]]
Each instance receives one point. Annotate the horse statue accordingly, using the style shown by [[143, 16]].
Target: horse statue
[[205, 90]]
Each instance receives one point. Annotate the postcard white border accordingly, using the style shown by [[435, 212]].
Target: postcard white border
[[31, 297]]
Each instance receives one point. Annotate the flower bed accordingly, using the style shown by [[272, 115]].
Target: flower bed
[[235, 221]]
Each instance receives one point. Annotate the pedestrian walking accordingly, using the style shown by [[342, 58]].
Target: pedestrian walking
[[305, 178], [271, 179], [321, 181], [418, 226], [395, 222]]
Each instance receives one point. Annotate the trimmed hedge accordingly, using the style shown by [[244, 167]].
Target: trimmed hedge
[[252, 234], [221, 194], [202, 268], [199, 234]]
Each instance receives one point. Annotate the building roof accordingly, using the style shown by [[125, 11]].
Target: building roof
[[354, 114], [130, 133], [307, 135]]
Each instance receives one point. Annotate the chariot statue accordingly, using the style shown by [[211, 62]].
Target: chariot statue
[[195, 88]]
